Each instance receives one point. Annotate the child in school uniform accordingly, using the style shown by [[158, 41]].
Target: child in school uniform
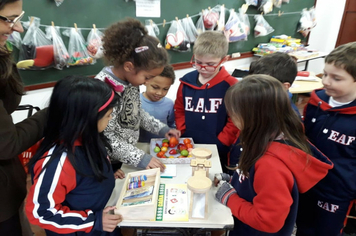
[[280, 66], [200, 112], [71, 173], [135, 58], [330, 121], [275, 165], [155, 102]]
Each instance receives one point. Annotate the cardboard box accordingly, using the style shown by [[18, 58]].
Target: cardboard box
[[145, 211]]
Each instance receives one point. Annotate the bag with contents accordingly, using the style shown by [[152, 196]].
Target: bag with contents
[[200, 24], [78, 54], [307, 21], [176, 38], [189, 29], [211, 17], [221, 21], [15, 39], [152, 28], [36, 50], [266, 6], [95, 43], [60, 52], [235, 29], [262, 27]]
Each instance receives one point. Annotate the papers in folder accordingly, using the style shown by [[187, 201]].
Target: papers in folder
[[309, 78]]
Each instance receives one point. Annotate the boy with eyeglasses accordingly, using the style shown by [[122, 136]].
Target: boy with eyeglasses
[[200, 112]]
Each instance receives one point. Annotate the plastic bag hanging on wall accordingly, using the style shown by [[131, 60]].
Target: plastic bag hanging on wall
[[95, 43], [221, 21], [58, 2], [189, 29], [15, 40], [176, 38], [60, 52], [307, 22], [262, 27], [151, 28], [200, 24], [211, 17], [36, 51], [77, 49], [235, 29], [266, 6]]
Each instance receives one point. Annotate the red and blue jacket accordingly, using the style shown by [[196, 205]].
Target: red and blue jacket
[[64, 202], [333, 131], [266, 201], [200, 111]]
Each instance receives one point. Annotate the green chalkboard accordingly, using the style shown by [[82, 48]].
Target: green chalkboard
[[102, 13]]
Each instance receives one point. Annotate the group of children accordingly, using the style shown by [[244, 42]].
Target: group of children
[[278, 176]]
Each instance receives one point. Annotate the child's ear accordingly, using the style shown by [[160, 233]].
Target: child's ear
[[225, 59], [128, 66], [286, 85]]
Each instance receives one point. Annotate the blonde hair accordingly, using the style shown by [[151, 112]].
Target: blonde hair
[[212, 43]]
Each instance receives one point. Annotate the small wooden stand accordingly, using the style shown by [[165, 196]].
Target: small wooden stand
[[199, 184]]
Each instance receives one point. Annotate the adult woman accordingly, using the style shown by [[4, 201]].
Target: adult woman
[[14, 138]]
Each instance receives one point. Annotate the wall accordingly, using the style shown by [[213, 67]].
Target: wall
[[323, 38]]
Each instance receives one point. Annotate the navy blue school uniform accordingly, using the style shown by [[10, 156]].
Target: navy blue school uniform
[[332, 130], [66, 202], [266, 202]]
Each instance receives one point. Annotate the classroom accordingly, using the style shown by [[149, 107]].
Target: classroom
[[200, 216]]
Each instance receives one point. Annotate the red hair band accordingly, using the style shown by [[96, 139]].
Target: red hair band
[[108, 102]]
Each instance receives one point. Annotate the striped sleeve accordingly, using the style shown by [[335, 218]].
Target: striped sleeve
[[44, 202]]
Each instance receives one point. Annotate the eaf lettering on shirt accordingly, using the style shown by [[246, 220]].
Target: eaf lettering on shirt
[[336, 137], [328, 206], [214, 105]]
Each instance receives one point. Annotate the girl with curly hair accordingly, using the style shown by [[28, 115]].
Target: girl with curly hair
[[134, 57]]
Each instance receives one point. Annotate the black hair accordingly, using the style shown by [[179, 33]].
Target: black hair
[[73, 115], [122, 38], [278, 65], [168, 72]]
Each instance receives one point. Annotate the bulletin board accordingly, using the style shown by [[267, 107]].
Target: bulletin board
[[85, 13]]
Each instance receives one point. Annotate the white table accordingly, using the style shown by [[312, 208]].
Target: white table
[[219, 216]]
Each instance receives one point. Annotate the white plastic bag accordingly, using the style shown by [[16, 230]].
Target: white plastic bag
[[176, 38], [58, 2], [152, 28], [252, 2], [221, 21], [36, 50], [95, 43], [235, 29], [78, 54], [60, 52], [307, 22], [262, 27], [200, 24], [210, 18], [189, 29], [266, 6]]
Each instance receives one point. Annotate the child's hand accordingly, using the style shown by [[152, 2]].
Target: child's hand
[[119, 174], [110, 221], [155, 163], [173, 132], [221, 176]]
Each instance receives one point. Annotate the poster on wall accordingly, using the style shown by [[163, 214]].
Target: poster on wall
[[148, 8]]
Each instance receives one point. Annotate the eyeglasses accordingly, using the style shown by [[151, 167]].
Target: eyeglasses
[[14, 21], [208, 68]]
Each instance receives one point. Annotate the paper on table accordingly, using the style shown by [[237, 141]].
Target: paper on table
[[310, 78], [170, 171]]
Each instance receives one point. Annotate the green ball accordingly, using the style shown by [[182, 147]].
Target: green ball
[[184, 153]]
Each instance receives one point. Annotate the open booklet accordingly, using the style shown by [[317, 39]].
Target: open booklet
[[172, 203]]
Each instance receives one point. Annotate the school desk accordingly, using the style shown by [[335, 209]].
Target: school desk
[[219, 216], [306, 85]]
